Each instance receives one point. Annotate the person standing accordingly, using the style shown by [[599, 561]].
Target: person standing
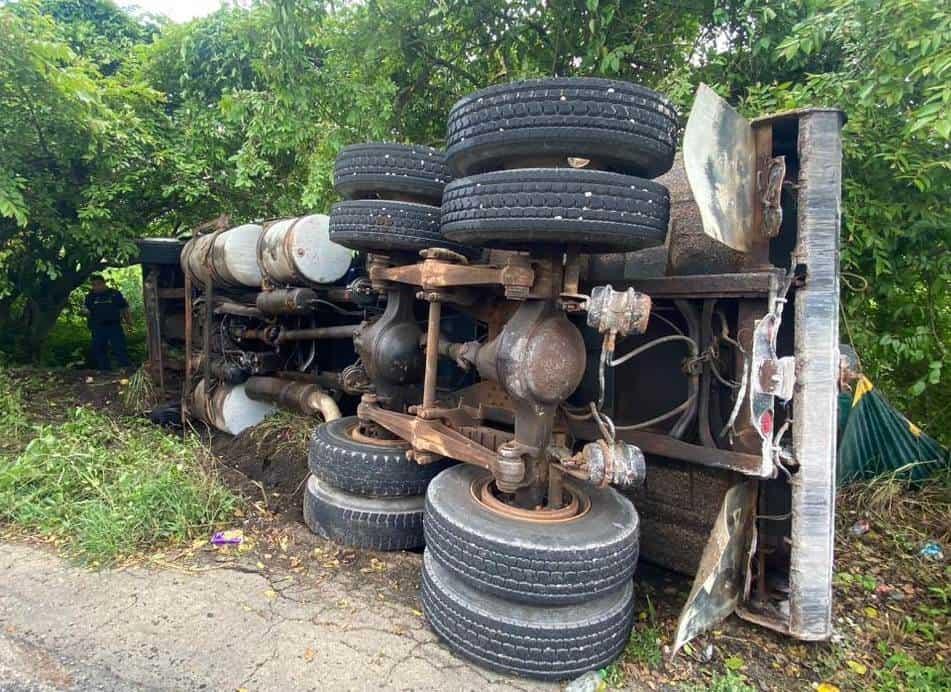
[[106, 311]]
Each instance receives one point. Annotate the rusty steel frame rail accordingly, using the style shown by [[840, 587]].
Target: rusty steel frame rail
[[153, 325], [667, 446], [753, 284]]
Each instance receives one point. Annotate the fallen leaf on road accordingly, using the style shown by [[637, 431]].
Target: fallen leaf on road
[[856, 667], [734, 663]]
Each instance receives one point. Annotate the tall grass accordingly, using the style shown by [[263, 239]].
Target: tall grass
[[108, 488], [14, 421]]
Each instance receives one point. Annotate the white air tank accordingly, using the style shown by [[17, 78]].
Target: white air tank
[[228, 258], [228, 408], [298, 251]]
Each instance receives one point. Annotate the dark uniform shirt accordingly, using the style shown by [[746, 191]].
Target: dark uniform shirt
[[106, 307]]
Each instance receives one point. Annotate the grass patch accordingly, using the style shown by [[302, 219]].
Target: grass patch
[[730, 681], [902, 672], [644, 646], [643, 649], [14, 422], [109, 489]]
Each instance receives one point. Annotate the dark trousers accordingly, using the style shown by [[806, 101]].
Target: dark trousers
[[104, 336]]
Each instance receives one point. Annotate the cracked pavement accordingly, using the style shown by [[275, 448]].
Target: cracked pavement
[[64, 627]]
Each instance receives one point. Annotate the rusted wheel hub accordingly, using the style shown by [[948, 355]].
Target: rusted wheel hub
[[575, 503], [374, 436]]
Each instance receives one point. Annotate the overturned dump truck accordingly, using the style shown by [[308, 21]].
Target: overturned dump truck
[[533, 333]]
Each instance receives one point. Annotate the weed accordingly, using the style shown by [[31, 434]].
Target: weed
[[730, 681], [140, 395], [912, 627], [613, 676], [902, 672], [110, 488], [644, 646], [893, 501]]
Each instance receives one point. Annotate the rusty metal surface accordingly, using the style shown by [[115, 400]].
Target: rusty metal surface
[[153, 327], [432, 352], [304, 397], [516, 275], [668, 447], [772, 209], [576, 506], [618, 312], [796, 113], [430, 436], [287, 301], [337, 331], [689, 249]]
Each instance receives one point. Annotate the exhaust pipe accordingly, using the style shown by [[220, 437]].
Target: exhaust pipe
[[303, 397]]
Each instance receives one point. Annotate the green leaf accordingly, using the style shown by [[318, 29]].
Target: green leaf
[[734, 663]]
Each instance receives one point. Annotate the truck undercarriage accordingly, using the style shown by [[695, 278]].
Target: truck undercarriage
[[567, 337]]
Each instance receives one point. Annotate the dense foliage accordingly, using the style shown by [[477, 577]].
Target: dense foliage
[[116, 125]]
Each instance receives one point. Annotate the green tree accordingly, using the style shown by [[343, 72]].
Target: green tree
[[115, 126], [75, 144]]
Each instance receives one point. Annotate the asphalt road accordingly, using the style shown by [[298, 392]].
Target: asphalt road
[[63, 627]]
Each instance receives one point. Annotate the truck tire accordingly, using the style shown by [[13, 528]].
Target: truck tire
[[371, 469], [387, 226], [545, 642], [530, 562], [623, 126], [393, 523], [595, 211], [381, 171]]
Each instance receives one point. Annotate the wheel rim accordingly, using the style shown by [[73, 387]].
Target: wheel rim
[[357, 435], [485, 493]]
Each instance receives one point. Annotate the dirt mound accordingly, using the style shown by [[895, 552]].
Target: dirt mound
[[270, 461]]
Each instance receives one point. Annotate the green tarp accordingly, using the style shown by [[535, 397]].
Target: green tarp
[[876, 439]]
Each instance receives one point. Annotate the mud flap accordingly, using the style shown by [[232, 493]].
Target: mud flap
[[720, 160], [721, 576]]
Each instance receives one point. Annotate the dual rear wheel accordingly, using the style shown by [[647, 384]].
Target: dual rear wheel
[[364, 492], [547, 599]]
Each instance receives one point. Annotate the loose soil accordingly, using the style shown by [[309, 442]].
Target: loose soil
[[891, 603]]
